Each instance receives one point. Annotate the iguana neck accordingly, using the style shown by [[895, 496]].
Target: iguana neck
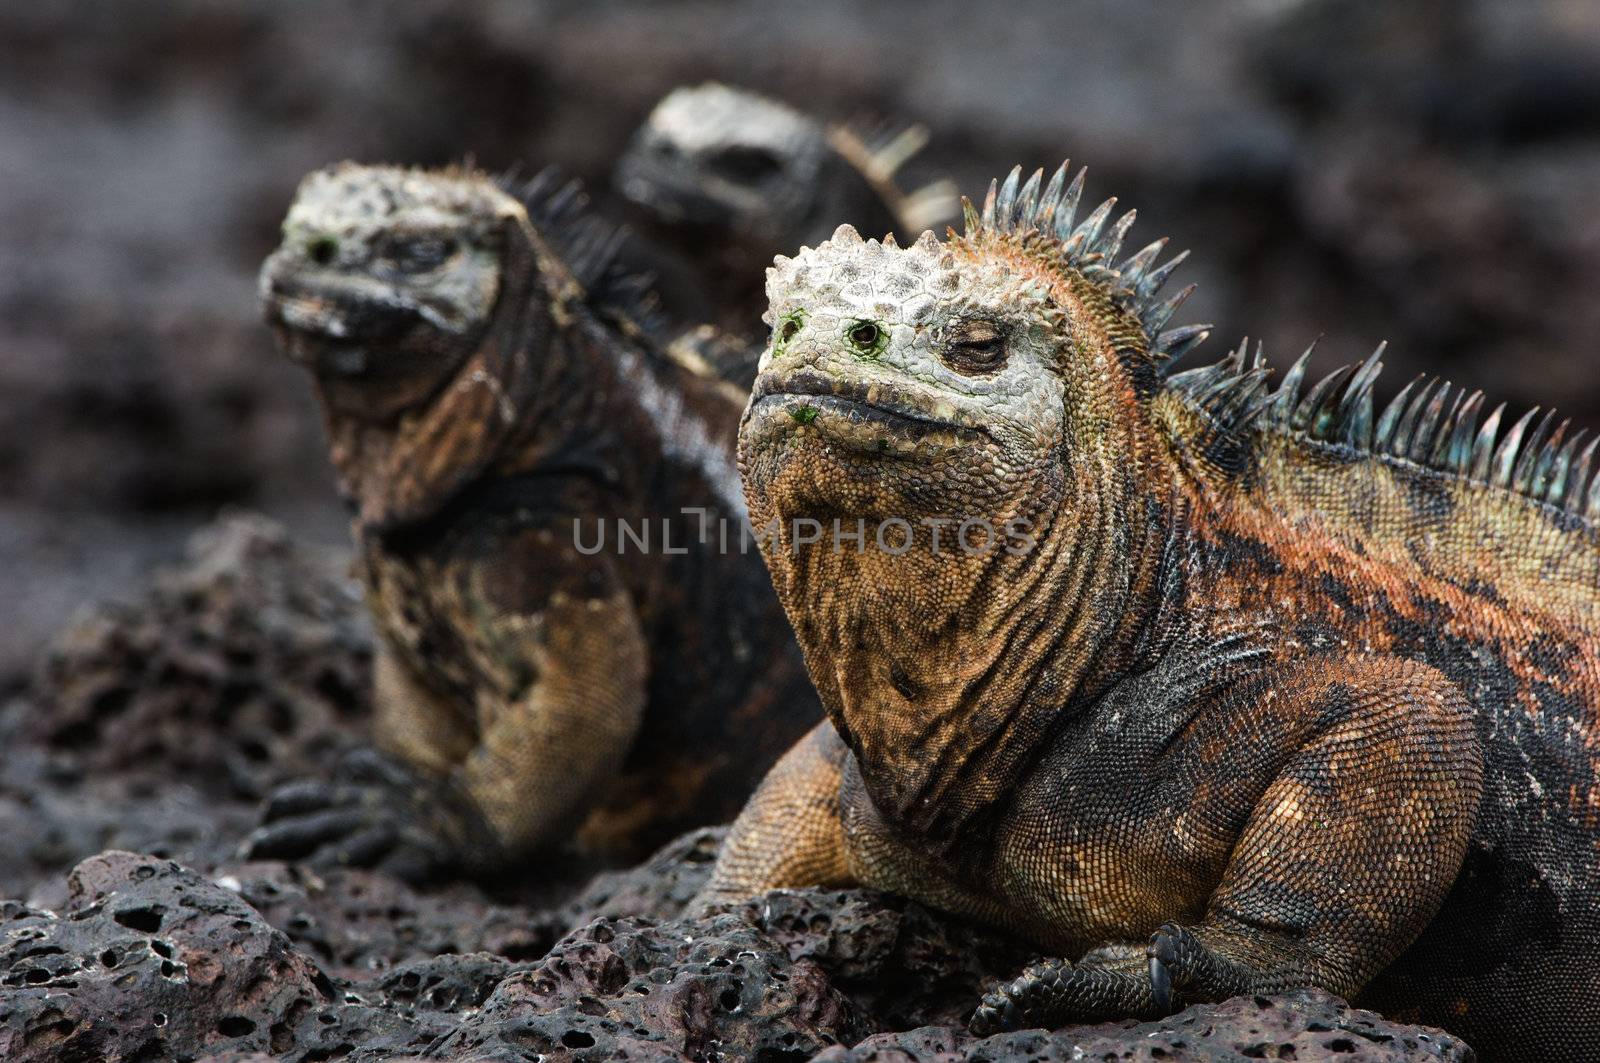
[[612, 402], [946, 678], [554, 386]]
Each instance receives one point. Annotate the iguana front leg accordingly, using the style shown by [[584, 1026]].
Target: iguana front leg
[[789, 834], [559, 663], [1343, 860], [544, 755]]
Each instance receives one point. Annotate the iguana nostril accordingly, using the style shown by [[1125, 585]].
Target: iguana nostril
[[323, 250]]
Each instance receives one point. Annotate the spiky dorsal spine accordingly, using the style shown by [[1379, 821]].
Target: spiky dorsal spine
[[1431, 423], [1435, 425], [591, 247], [1091, 247]]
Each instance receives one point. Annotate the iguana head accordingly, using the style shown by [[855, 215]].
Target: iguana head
[[892, 374], [385, 281], [729, 159], [997, 375]]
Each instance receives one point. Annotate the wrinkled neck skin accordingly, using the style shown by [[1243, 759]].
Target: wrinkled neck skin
[[946, 673]]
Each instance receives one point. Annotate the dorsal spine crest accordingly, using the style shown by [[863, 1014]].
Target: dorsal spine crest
[[1431, 424]]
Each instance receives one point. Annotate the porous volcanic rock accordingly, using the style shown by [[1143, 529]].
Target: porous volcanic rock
[[252, 657], [1304, 1025], [147, 960], [362, 924], [628, 989], [902, 964], [157, 724], [659, 889]]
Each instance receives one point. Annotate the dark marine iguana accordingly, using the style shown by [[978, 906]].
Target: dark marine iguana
[[497, 397], [1258, 687], [730, 177]]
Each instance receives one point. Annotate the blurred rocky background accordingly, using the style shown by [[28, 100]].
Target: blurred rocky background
[[1422, 172]]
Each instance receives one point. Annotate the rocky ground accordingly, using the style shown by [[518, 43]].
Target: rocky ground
[[158, 723], [147, 959], [152, 729]]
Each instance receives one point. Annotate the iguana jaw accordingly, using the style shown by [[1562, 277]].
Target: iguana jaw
[[871, 417], [349, 308], [374, 355]]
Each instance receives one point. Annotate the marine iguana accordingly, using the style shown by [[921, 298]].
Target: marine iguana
[[1258, 687], [730, 177], [497, 397]]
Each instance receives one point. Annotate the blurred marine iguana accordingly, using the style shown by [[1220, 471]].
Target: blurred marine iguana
[[1279, 689], [497, 396], [731, 177]]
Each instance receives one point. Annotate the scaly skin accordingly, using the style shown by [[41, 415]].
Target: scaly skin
[[1258, 694], [727, 178], [483, 397]]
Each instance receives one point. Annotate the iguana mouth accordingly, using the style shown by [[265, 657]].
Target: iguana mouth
[[851, 410], [373, 355], [349, 309], [338, 330], [321, 352]]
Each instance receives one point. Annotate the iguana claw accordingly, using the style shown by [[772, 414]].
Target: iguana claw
[[995, 1014], [1160, 984]]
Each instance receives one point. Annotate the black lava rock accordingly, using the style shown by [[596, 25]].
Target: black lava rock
[[147, 960]]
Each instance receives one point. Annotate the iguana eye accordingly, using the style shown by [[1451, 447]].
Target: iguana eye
[[419, 254], [323, 250], [973, 347], [746, 165], [867, 337]]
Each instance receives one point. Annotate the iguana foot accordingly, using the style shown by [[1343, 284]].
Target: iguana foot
[[1181, 960], [1011, 1005], [1056, 993], [375, 814]]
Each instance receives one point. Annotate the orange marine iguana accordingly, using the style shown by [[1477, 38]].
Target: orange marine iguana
[[1256, 688], [496, 399]]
